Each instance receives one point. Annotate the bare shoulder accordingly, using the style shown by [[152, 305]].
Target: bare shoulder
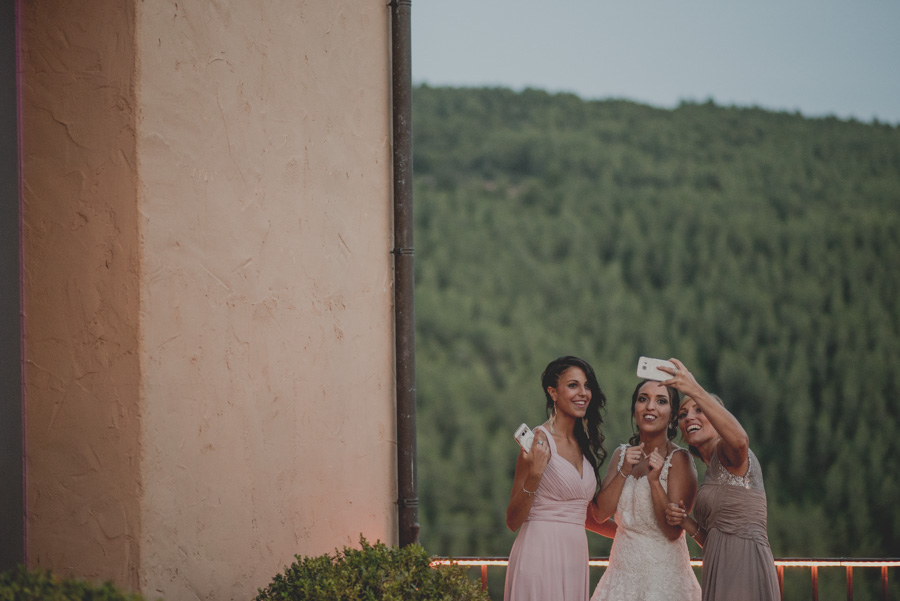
[[681, 460], [681, 456]]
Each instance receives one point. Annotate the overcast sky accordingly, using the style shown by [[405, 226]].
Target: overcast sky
[[819, 57]]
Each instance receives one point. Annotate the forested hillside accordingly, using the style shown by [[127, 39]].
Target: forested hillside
[[760, 248]]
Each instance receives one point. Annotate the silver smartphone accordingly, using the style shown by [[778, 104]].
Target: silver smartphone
[[648, 369], [524, 436]]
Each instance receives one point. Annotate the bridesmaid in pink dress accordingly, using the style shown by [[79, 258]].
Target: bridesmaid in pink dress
[[552, 488]]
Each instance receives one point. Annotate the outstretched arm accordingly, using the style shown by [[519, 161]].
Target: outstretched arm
[[529, 471], [735, 443]]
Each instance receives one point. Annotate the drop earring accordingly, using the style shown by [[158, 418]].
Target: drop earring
[[672, 430], [553, 420]]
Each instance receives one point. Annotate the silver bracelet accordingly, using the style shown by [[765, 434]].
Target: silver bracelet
[[696, 532], [530, 493]]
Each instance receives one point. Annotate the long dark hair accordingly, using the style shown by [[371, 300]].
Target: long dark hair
[[674, 401], [588, 432]]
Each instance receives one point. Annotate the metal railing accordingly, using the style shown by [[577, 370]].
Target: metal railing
[[780, 564]]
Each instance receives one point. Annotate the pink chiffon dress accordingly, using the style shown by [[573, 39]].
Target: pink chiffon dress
[[549, 559]]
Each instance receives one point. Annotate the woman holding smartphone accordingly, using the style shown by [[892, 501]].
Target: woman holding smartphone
[[649, 560], [730, 513], [552, 487]]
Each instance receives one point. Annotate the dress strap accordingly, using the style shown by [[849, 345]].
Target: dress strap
[[664, 473], [683, 450], [622, 448], [549, 436]]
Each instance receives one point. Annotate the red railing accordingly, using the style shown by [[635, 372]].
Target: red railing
[[780, 564]]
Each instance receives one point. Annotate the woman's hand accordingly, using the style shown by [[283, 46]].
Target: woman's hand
[[676, 514], [633, 456], [654, 464], [682, 379], [537, 459], [529, 471]]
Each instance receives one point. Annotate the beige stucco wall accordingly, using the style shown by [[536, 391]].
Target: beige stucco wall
[[247, 413], [81, 289], [266, 312]]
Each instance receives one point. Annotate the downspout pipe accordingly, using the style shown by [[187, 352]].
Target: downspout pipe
[[404, 314]]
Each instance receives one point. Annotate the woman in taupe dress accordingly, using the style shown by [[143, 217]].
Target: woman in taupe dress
[[730, 510]]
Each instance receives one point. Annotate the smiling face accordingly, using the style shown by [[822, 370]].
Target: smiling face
[[652, 408], [694, 425], [571, 393]]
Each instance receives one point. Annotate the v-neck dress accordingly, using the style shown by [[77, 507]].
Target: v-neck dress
[[549, 559]]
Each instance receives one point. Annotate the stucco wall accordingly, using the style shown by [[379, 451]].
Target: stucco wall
[[81, 289], [210, 342], [266, 312]]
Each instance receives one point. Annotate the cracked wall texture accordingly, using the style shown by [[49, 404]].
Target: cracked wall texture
[[208, 294]]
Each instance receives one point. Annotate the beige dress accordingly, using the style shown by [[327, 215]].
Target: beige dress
[[737, 561]]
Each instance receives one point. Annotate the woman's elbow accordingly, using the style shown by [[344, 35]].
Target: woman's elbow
[[600, 512]]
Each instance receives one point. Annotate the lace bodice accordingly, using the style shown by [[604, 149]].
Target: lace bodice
[[635, 508], [717, 474], [644, 564]]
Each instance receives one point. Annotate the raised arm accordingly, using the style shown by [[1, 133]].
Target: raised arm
[[605, 502], [735, 443], [529, 471]]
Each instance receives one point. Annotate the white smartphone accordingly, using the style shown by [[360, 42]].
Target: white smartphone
[[524, 436], [647, 369]]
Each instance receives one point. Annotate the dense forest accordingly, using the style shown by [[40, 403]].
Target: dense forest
[[759, 247]]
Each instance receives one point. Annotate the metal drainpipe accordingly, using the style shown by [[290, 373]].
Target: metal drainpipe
[[404, 314]]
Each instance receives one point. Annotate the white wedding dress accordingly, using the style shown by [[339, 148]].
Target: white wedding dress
[[644, 565]]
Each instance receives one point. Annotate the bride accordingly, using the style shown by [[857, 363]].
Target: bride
[[649, 559]]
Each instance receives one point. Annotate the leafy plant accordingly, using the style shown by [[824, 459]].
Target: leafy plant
[[372, 572], [21, 584]]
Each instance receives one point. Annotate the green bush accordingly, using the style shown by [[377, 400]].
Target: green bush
[[373, 572], [21, 584]]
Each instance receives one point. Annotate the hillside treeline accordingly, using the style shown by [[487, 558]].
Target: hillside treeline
[[761, 248]]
